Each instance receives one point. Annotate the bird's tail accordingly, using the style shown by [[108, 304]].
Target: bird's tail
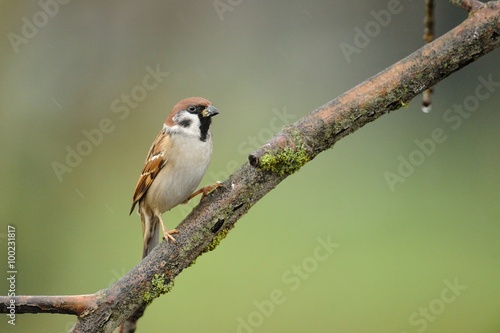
[[150, 232]]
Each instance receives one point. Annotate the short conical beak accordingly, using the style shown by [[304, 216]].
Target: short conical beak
[[210, 111]]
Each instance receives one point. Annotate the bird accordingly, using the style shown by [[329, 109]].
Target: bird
[[175, 164]]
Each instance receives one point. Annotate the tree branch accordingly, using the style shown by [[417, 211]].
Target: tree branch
[[76, 305], [216, 215], [390, 89], [468, 5], [428, 37]]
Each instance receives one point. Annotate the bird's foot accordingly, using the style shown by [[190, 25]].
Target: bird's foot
[[167, 234], [203, 191]]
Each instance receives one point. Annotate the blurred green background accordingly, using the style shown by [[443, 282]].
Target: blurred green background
[[264, 64]]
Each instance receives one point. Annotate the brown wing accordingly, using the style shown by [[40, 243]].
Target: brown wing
[[156, 160]]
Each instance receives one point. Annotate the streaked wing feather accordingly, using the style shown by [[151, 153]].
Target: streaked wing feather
[[155, 161]]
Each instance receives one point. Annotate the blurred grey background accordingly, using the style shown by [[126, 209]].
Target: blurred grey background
[[418, 255]]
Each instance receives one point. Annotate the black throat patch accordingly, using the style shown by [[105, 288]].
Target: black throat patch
[[204, 127]]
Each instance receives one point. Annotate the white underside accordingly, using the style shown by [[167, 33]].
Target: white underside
[[181, 175]]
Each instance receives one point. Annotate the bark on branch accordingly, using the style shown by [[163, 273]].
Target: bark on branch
[[297, 144], [468, 5]]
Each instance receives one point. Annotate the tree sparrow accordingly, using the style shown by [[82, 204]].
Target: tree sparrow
[[174, 167]]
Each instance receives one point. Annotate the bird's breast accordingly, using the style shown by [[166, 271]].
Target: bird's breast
[[185, 166]]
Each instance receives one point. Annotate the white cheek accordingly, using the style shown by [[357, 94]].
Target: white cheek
[[193, 129]]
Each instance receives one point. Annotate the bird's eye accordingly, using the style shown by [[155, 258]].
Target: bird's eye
[[192, 108]]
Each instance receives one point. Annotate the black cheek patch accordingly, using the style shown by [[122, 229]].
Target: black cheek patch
[[185, 123]]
